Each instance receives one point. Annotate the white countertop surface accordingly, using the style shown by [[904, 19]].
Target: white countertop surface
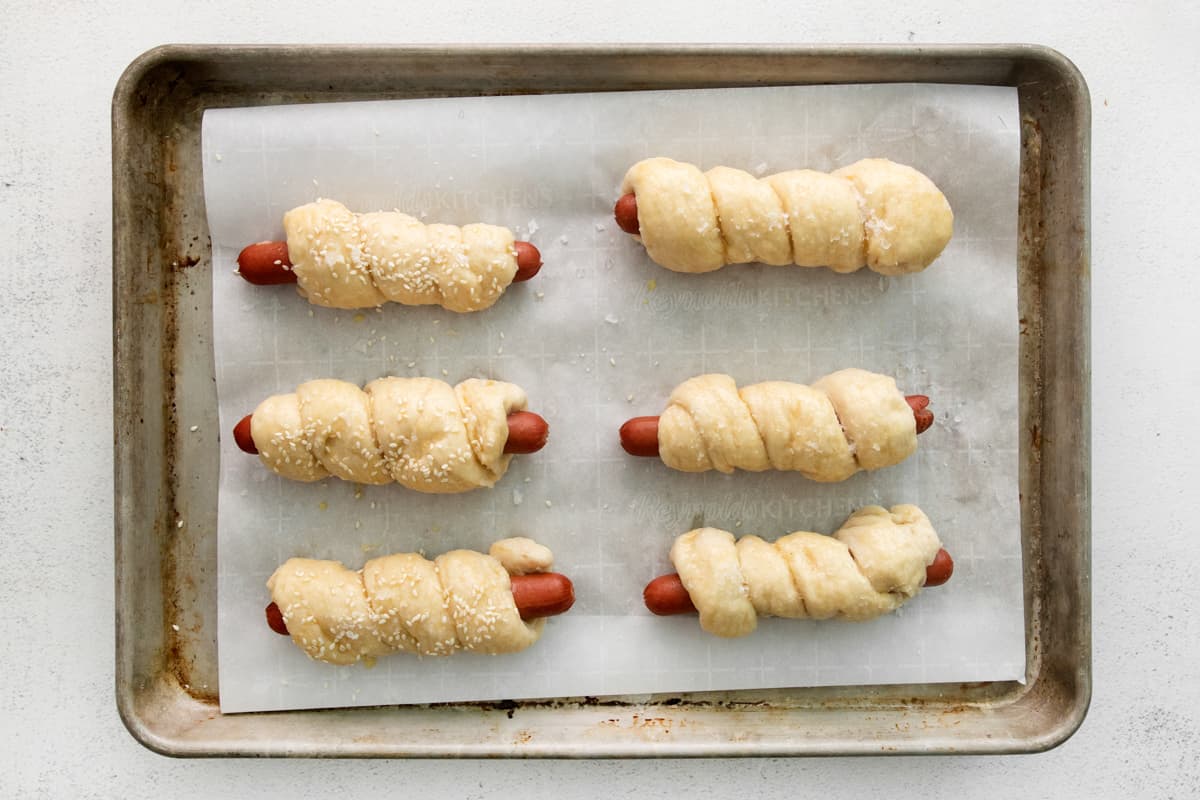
[[59, 729]]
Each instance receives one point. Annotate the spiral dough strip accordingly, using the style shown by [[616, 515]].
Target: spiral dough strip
[[419, 432], [874, 213], [872, 565], [347, 260], [460, 600], [848, 421]]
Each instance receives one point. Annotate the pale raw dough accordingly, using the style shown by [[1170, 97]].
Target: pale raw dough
[[873, 213], [872, 565], [419, 432], [462, 600], [521, 556], [845, 422], [347, 260]]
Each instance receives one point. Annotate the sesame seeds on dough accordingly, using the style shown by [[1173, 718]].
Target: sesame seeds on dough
[[347, 260], [419, 432], [462, 600]]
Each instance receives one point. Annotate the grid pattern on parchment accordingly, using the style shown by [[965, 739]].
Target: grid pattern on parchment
[[603, 334]]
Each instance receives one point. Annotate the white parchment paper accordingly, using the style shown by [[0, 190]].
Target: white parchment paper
[[603, 334]]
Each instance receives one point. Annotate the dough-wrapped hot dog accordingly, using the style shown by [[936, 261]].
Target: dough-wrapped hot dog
[[873, 213], [419, 432], [873, 564], [461, 600], [345, 260], [848, 421]]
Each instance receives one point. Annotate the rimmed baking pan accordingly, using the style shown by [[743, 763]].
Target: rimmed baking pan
[[166, 471]]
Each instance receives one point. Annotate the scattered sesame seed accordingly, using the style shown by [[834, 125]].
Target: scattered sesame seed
[[218, 156], [179, 524], [174, 627], [194, 428], [548, 504]]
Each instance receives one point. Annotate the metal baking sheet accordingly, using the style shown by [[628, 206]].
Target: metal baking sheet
[[166, 476]]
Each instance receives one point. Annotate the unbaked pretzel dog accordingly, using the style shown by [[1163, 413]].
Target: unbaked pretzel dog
[[461, 600], [874, 213], [345, 260], [419, 432], [873, 564], [848, 421]]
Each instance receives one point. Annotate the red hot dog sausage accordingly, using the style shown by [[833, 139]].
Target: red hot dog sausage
[[940, 570], [529, 261], [666, 595], [923, 416], [527, 433], [268, 264], [540, 594], [626, 213]]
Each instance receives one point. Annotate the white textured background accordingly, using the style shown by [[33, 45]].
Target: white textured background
[[59, 731]]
